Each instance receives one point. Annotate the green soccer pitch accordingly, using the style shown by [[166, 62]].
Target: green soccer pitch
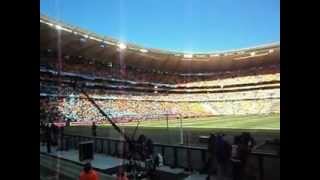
[[262, 122], [263, 126]]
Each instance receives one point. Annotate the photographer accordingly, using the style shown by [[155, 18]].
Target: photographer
[[141, 146]]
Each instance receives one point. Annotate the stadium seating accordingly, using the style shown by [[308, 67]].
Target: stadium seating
[[253, 75], [184, 96]]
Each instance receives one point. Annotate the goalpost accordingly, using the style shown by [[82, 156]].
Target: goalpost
[[178, 116]]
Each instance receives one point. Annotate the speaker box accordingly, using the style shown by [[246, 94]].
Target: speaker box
[[86, 150]]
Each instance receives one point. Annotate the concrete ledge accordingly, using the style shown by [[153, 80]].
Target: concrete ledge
[[66, 168]]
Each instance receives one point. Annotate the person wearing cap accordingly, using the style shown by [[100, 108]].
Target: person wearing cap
[[88, 173]]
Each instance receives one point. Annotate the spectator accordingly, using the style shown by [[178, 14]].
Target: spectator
[[55, 132], [88, 173], [94, 129], [60, 138], [211, 163], [236, 160], [149, 148], [246, 142], [223, 154], [48, 137]]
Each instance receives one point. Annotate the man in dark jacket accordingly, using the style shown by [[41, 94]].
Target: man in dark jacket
[[223, 154], [211, 163], [47, 136], [94, 129]]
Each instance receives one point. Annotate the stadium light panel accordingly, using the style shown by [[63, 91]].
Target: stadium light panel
[[68, 30], [96, 39], [187, 55], [58, 27], [143, 50], [50, 24], [83, 35], [228, 54], [214, 55], [122, 46]]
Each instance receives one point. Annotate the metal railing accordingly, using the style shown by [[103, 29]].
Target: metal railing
[[175, 156]]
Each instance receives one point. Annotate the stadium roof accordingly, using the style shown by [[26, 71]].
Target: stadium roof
[[74, 41]]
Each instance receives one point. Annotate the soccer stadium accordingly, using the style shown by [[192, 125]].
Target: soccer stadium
[[99, 94]]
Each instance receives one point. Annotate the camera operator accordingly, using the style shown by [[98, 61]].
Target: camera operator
[[141, 146], [149, 148]]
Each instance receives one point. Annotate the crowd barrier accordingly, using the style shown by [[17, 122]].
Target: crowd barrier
[[177, 156]]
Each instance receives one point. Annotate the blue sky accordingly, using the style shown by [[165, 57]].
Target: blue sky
[[177, 25]]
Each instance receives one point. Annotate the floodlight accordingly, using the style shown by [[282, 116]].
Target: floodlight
[[143, 50], [187, 55], [122, 46], [58, 27], [214, 55], [96, 39]]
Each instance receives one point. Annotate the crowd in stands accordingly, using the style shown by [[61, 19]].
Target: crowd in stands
[[99, 93], [252, 75], [80, 109], [60, 100]]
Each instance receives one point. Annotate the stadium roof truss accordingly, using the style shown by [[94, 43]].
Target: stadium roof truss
[[74, 41]]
